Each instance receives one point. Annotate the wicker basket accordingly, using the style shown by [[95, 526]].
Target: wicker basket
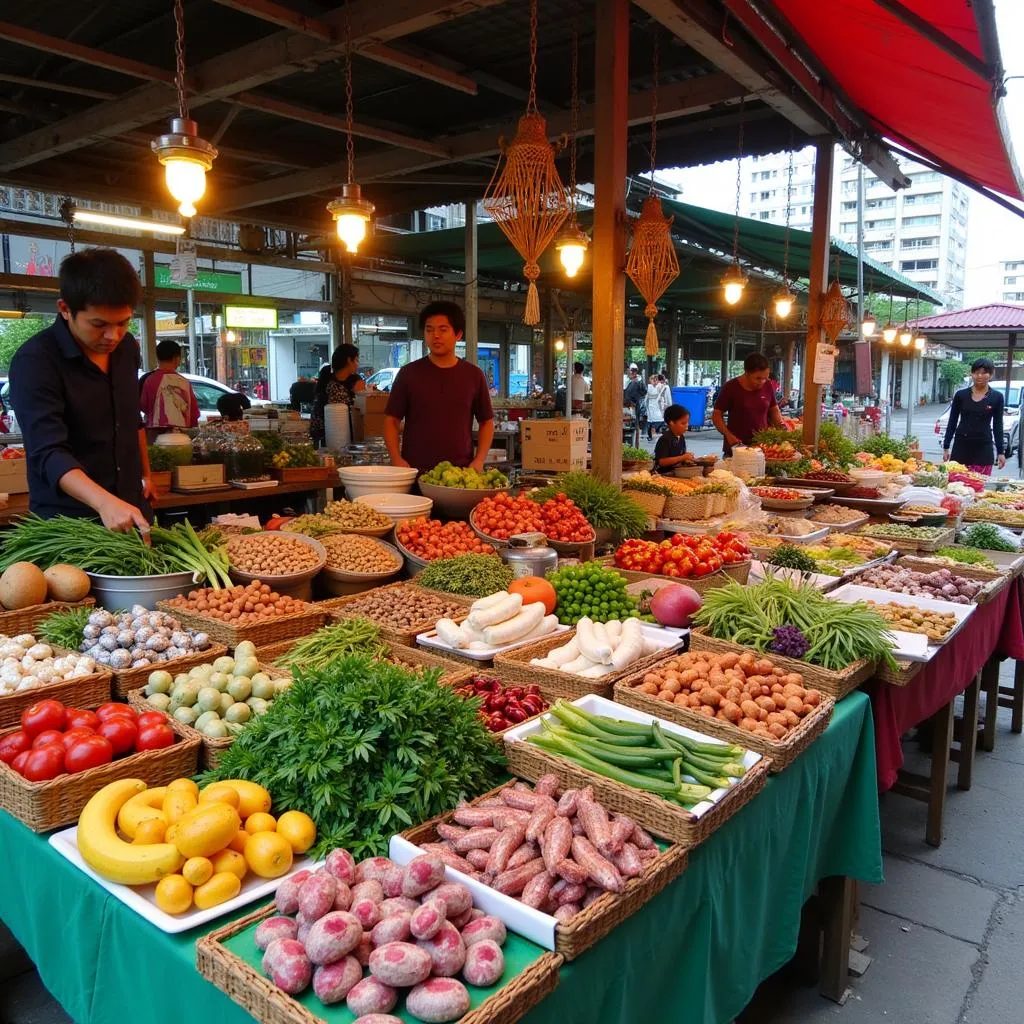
[[265, 1002], [782, 752], [130, 679], [653, 504], [688, 506], [515, 665], [593, 923], [211, 747], [25, 620], [900, 676], [654, 813], [84, 692], [44, 806], [261, 633], [912, 545], [833, 684], [739, 571], [337, 608]]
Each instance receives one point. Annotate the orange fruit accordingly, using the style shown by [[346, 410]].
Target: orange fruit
[[238, 843], [173, 894], [260, 822], [221, 793], [298, 828], [535, 589], [197, 870], [268, 854], [230, 860], [150, 830]]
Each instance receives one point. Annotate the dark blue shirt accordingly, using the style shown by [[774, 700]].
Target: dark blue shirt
[[974, 427], [668, 445], [74, 416]]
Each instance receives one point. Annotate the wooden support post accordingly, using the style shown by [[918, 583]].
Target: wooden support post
[[611, 89], [942, 739], [149, 312], [472, 295], [968, 736], [989, 683], [820, 246], [787, 372], [837, 895]]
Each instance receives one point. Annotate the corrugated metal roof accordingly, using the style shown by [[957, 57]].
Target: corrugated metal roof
[[978, 318]]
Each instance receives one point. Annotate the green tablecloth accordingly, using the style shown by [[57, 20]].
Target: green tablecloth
[[693, 955]]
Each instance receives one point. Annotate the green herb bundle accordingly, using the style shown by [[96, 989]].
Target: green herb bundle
[[319, 650], [64, 629], [988, 536], [966, 556], [789, 556], [366, 749], [834, 446], [776, 435], [883, 444], [839, 634], [631, 454], [604, 505], [468, 575]]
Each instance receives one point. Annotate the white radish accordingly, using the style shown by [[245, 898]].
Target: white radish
[[547, 625], [566, 653], [601, 643], [509, 630], [577, 666], [503, 611], [478, 645], [613, 630], [470, 633], [448, 632], [489, 601], [631, 646], [596, 671], [544, 663], [589, 646]]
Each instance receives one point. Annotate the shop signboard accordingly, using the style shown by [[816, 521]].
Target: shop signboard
[[229, 282], [250, 317]]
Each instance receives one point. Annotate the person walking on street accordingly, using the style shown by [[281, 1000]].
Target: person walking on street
[[975, 425], [339, 383], [659, 398], [635, 397]]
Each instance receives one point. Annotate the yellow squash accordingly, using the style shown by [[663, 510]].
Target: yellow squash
[[207, 829]]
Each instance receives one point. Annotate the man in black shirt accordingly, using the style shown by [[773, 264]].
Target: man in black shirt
[[75, 390], [670, 450]]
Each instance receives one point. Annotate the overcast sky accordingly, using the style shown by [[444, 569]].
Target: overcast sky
[[993, 233]]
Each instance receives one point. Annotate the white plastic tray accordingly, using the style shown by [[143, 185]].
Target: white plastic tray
[[600, 706], [432, 640], [141, 898], [759, 572]]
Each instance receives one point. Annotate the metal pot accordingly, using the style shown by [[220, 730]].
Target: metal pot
[[529, 555]]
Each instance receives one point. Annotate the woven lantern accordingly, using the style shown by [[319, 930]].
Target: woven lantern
[[652, 264], [836, 316]]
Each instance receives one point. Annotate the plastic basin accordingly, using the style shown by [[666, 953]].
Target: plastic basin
[[117, 593], [398, 506], [457, 502]]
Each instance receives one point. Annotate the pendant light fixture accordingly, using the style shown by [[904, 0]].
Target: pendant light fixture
[[572, 242], [906, 334], [185, 156], [352, 213], [868, 325], [784, 298], [734, 280], [919, 342], [889, 330]]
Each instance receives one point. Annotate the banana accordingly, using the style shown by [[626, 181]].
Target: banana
[[143, 805], [109, 855]]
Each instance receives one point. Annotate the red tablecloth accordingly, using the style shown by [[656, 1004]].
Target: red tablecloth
[[996, 627]]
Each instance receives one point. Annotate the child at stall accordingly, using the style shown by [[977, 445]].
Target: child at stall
[[670, 451]]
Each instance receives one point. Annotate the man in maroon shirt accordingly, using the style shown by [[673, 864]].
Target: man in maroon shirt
[[438, 397], [746, 404]]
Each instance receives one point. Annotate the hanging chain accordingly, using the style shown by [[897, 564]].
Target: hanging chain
[[531, 103], [654, 110], [350, 149], [739, 182], [574, 114], [789, 210], [179, 56]]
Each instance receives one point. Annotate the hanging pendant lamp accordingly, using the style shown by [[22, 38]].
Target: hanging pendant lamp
[[889, 330], [734, 281], [784, 299], [572, 241], [868, 325], [184, 155], [527, 199]]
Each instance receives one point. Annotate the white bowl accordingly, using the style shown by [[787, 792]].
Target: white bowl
[[869, 477], [360, 480], [397, 506]]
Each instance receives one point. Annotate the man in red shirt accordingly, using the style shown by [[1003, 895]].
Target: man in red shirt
[[746, 404], [438, 397]]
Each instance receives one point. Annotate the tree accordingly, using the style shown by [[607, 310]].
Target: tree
[[902, 309], [952, 373], [13, 334]]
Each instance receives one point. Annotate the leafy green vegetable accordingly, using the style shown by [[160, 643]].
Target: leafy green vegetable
[[161, 459], [985, 535], [604, 505], [834, 446], [366, 749], [646, 486], [318, 650], [631, 454], [468, 575], [789, 556], [883, 444], [775, 435], [966, 556], [64, 629]]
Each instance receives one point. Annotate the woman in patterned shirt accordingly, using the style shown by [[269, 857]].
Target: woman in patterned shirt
[[338, 382]]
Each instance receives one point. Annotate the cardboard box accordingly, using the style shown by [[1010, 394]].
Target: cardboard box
[[13, 476], [371, 405], [556, 444]]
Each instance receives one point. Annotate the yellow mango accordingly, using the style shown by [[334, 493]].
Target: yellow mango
[[177, 803], [207, 829], [221, 793]]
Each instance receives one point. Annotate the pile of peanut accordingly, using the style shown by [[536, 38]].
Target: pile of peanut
[[271, 554], [351, 552], [402, 608]]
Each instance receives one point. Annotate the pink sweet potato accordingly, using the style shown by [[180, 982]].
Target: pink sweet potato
[[288, 966], [438, 1000], [422, 874], [400, 964], [486, 927], [275, 928], [456, 897], [366, 912], [371, 889], [332, 982], [371, 996], [446, 949], [341, 864], [316, 895], [426, 920], [391, 929], [332, 937], [286, 899], [373, 868], [485, 964]]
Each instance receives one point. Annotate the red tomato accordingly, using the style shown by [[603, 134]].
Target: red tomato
[[18, 764], [44, 714], [80, 717], [104, 711], [14, 744], [121, 733], [155, 737], [148, 718], [90, 752], [47, 736], [45, 763], [72, 736]]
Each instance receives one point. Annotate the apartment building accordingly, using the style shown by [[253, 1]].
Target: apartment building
[[765, 180], [1011, 274]]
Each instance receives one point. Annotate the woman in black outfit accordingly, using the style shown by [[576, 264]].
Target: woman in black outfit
[[975, 425], [338, 382]]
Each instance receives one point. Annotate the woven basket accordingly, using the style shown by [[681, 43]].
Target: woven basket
[[912, 545], [130, 679], [211, 747], [652, 504], [782, 752], [739, 571], [654, 813], [25, 620], [688, 506], [265, 1002], [901, 676], [593, 923], [84, 692], [44, 806], [262, 633], [516, 666], [833, 684], [337, 609]]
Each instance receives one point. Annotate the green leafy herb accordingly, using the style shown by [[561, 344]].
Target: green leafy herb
[[64, 629], [834, 446], [366, 749], [161, 459], [883, 444], [985, 535], [965, 556], [775, 435], [789, 556], [319, 650], [646, 486], [631, 454], [604, 505], [468, 575]]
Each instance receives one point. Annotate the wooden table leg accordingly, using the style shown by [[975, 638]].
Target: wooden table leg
[[990, 684], [837, 895], [942, 738], [968, 735]]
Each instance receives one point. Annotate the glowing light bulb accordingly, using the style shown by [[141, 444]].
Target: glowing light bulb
[[186, 159], [906, 336], [784, 303], [734, 281], [351, 230], [889, 333], [571, 245], [186, 181], [868, 326], [351, 215], [919, 342]]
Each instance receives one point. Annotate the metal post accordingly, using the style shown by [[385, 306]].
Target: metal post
[[190, 312], [823, 161], [1010, 346], [472, 297], [611, 82], [149, 312], [549, 345], [672, 369], [861, 340], [570, 355], [787, 373], [909, 367]]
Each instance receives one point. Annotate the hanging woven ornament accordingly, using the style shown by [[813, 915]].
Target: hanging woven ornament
[[836, 315], [527, 200], [652, 264]]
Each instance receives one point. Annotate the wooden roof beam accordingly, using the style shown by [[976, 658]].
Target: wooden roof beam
[[72, 90]]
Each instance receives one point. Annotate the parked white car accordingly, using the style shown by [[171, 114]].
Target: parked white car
[[383, 380], [1011, 420]]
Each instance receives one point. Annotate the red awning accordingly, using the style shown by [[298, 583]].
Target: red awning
[[912, 90]]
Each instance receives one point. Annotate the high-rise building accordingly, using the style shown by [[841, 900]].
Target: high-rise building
[[921, 232], [1011, 273]]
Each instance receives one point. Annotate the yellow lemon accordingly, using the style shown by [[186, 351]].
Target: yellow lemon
[[230, 860], [298, 828], [251, 797], [220, 793], [223, 886], [173, 894], [150, 830], [238, 843], [268, 854], [260, 822], [185, 785], [197, 870]]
